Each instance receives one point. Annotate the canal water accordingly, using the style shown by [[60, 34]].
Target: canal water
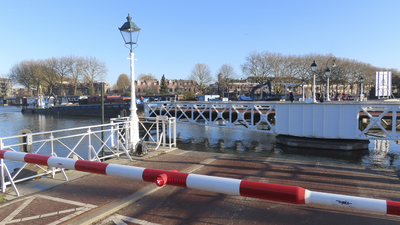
[[193, 137]]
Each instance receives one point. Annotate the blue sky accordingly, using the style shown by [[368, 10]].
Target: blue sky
[[176, 35]]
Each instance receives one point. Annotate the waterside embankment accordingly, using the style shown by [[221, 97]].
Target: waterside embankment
[[110, 110]]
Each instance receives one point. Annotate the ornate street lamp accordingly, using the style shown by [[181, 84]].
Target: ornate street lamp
[[314, 69], [361, 91], [328, 74], [303, 82], [130, 33]]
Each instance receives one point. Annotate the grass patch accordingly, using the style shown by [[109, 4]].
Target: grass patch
[[2, 200]]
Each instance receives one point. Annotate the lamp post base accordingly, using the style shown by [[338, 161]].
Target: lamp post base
[[310, 100]]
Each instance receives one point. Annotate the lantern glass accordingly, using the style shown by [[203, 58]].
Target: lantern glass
[[130, 32], [327, 72], [314, 66]]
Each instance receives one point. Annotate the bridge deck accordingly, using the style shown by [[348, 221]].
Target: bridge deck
[[332, 120]]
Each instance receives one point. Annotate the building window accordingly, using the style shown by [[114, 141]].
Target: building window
[[138, 90]]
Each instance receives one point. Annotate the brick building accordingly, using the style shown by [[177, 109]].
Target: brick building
[[143, 87], [68, 89], [236, 86], [20, 92], [5, 87]]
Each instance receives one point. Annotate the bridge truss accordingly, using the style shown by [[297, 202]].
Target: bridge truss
[[334, 120]]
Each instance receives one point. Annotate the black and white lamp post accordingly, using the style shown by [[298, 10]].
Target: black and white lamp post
[[130, 33], [361, 89], [314, 69], [328, 74], [303, 82]]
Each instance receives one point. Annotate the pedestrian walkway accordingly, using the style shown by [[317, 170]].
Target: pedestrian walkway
[[99, 199]]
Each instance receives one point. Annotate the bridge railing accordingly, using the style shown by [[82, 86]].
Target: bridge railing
[[92, 143], [334, 120], [240, 115], [154, 130]]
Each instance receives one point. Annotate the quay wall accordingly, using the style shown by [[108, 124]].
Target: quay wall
[[110, 110]]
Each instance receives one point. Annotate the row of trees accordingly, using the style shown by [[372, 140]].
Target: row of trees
[[48, 73], [201, 74], [276, 67], [45, 74]]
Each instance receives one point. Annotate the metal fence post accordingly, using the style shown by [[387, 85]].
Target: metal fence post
[[127, 134], [112, 134], [169, 131], [3, 185], [163, 132], [157, 128], [53, 172], [90, 145]]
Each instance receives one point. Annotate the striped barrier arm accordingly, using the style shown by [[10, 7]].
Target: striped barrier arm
[[267, 191]]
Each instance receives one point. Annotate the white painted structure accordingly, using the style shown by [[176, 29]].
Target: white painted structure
[[334, 120], [85, 143], [383, 82]]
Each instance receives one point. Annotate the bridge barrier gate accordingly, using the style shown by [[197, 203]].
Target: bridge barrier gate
[[85, 143], [253, 189]]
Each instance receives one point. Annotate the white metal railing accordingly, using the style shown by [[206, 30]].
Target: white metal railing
[[151, 125], [240, 115], [334, 120], [93, 143]]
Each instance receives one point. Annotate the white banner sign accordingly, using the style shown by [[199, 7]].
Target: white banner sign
[[383, 83]]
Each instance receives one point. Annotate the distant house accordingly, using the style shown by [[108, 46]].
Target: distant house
[[144, 87], [20, 92], [68, 88], [5, 87]]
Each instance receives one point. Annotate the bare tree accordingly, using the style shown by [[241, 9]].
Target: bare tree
[[201, 74], [62, 67], [123, 83], [225, 75], [93, 70], [48, 74], [20, 74], [149, 76], [76, 71], [28, 73], [257, 66]]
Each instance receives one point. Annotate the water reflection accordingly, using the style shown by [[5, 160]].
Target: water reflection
[[12, 121], [324, 155], [224, 140], [381, 153]]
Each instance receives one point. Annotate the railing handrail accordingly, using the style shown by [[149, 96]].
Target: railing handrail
[[115, 141], [330, 120]]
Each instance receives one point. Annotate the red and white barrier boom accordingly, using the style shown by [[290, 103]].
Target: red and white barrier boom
[[273, 192]]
